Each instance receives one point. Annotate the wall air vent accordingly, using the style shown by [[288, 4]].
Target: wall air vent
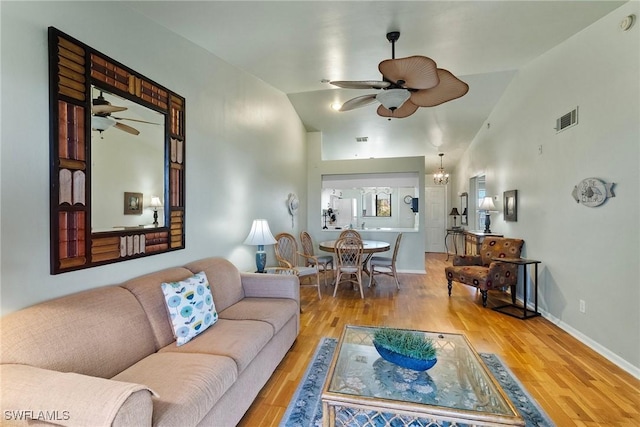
[[566, 121]]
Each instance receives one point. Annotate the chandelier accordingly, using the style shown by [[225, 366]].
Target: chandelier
[[441, 177]]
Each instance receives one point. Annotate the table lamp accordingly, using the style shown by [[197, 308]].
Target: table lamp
[[487, 206], [155, 204], [454, 213], [259, 236]]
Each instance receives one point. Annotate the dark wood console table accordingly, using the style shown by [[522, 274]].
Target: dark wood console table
[[454, 233], [514, 309], [473, 241]]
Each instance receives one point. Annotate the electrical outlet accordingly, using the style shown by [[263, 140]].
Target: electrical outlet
[[583, 306], [539, 149]]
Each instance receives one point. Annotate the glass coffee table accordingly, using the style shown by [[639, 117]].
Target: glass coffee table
[[362, 389]]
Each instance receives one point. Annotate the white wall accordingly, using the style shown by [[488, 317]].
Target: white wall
[[245, 145], [589, 254]]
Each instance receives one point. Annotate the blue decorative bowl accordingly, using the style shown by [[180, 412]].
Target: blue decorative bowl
[[405, 361]]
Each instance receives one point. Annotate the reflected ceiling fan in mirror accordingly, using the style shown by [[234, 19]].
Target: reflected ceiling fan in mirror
[[101, 118], [408, 83]]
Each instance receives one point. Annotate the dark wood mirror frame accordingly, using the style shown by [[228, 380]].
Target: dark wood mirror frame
[[464, 206], [73, 68]]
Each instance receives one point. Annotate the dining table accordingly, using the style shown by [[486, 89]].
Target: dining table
[[369, 247]]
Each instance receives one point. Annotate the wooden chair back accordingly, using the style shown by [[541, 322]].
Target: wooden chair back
[[286, 250]]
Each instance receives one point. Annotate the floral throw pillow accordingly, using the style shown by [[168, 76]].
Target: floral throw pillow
[[190, 307]]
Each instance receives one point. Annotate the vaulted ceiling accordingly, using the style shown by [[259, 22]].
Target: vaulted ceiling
[[296, 45]]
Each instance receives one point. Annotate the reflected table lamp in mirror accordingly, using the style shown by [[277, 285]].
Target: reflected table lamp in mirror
[[259, 236], [155, 204]]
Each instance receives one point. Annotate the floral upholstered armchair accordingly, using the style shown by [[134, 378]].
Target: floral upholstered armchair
[[484, 273]]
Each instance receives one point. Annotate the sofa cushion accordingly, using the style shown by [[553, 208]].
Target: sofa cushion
[[148, 292], [241, 340], [99, 332], [190, 306], [187, 385], [224, 279], [275, 311]]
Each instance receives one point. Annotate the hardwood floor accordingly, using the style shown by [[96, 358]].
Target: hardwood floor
[[572, 383]]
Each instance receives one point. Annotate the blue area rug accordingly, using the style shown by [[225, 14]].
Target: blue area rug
[[305, 409]]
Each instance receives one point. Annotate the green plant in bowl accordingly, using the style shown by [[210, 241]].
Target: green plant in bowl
[[409, 349]]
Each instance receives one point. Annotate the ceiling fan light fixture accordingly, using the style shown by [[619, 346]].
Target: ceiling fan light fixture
[[392, 99], [101, 124]]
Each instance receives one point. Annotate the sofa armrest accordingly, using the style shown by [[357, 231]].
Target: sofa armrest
[[460, 260], [30, 394], [258, 285]]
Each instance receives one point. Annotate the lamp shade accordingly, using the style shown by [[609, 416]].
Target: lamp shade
[[156, 202], [454, 212], [392, 99], [487, 204], [260, 234]]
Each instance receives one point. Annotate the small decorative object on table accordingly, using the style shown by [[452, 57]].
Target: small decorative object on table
[[408, 349]]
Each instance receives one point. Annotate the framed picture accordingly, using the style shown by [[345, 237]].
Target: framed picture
[[511, 205], [132, 203]]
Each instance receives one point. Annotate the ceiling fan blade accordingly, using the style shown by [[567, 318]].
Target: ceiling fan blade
[[134, 120], [413, 72], [106, 108], [127, 128], [358, 102], [450, 88], [407, 109], [365, 84]]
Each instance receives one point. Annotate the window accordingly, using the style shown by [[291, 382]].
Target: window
[[477, 191], [481, 192], [376, 202]]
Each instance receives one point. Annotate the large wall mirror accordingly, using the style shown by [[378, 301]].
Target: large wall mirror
[[117, 160], [130, 141]]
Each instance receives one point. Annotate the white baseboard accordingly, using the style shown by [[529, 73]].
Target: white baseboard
[[595, 346], [413, 271]]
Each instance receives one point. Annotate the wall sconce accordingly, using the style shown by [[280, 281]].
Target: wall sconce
[[487, 206], [259, 236], [155, 204]]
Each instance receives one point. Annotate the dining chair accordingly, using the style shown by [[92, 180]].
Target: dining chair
[[350, 233], [385, 265], [287, 255], [322, 261], [349, 261]]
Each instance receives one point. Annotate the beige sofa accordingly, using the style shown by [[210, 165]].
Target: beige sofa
[[108, 356]]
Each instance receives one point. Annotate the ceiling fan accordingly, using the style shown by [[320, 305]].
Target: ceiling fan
[[408, 83], [101, 118]]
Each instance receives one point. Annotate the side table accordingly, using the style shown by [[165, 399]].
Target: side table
[[514, 309], [454, 233]]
